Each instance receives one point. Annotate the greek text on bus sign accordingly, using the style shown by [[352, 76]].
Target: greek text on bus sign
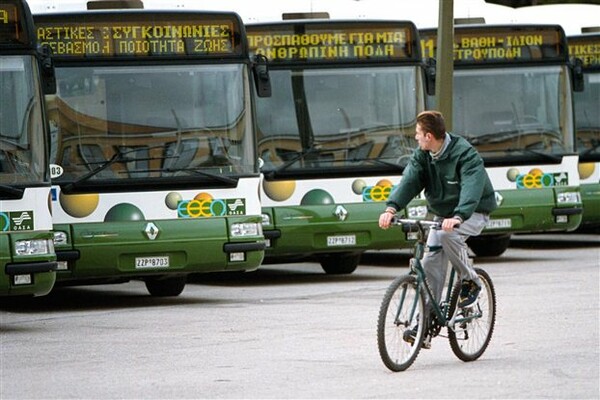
[[586, 48], [138, 35], [12, 30], [500, 44], [331, 41]]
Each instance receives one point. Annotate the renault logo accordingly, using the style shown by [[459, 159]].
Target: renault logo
[[341, 213], [151, 231]]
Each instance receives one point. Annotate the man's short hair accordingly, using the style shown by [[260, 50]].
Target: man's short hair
[[432, 121]]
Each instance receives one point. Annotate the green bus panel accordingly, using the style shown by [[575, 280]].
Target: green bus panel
[[41, 282], [529, 213], [109, 250], [305, 229], [590, 197]]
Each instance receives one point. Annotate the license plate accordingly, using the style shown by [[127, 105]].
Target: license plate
[[499, 223], [342, 240], [152, 262]]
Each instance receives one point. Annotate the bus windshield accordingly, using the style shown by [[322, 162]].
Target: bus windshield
[[162, 122], [22, 142], [503, 125], [587, 104], [337, 117]]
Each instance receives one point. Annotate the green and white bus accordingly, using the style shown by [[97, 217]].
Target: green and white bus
[[153, 146], [27, 258], [586, 47], [513, 100], [336, 133]]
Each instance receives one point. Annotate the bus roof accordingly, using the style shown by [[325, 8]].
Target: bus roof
[[335, 41], [16, 25], [500, 44], [142, 34]]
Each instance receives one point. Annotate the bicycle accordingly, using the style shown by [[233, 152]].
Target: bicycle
[[469, 329]]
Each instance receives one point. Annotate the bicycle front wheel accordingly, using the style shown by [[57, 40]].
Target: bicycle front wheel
[[469, 339], [399, 313]]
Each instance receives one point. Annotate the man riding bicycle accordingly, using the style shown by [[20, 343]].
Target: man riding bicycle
[[458, 191]]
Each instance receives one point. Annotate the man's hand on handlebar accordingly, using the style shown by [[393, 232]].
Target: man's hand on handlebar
[[385, 219], [448, 224]]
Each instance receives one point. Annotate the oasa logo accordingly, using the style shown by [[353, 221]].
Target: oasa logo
[[377, 192], [208, 207], [537, 179]]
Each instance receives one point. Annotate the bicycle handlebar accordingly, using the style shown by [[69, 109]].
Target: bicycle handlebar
[[408, 223]]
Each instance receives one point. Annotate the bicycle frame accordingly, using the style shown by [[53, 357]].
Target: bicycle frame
[[417, 269]]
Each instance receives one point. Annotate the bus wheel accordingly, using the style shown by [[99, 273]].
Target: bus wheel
[[489, 245], [163, 287], [339, 263]]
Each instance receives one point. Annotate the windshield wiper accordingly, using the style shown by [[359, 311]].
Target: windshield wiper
[[547, 156], [379, 161], [118, 157], [10, 192], [297, 157], [201, 171]]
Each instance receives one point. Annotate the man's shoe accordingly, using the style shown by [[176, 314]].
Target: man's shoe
[[410, 335], [468, 293]]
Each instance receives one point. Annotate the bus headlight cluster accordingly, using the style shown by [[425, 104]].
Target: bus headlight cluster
[[568, 197], [60, 238], [417, 212], [240, 229], [266, 219], [33, 247]]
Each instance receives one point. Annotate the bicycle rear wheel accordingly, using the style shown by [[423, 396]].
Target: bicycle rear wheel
[[399, 312], [469, 340]]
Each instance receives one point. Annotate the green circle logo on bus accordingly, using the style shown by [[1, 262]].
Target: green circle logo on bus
[[124, 212], [316, 197], [79, 205]]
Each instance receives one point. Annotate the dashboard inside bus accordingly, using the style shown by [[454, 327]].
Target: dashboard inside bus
[[587, 117], [22, 145], [514, 114], [169, 123], [337, 118]]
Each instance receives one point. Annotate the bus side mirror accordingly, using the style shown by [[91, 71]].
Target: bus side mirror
[[430, 71], [47, 69], [261, 76], [577, 75]]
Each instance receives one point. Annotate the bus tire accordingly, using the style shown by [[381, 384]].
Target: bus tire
[[489, 245], [165, 287], [339, 263]]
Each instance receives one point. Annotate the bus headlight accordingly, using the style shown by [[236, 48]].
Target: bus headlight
[[33, 247], [417, 212], [266, 219], [568, 197], [60, 238], [240, 229]]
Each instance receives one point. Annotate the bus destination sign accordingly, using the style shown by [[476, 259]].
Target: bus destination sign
[[139, 35], [586, 48], [327, 42], [500, 44], [12, 29]]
